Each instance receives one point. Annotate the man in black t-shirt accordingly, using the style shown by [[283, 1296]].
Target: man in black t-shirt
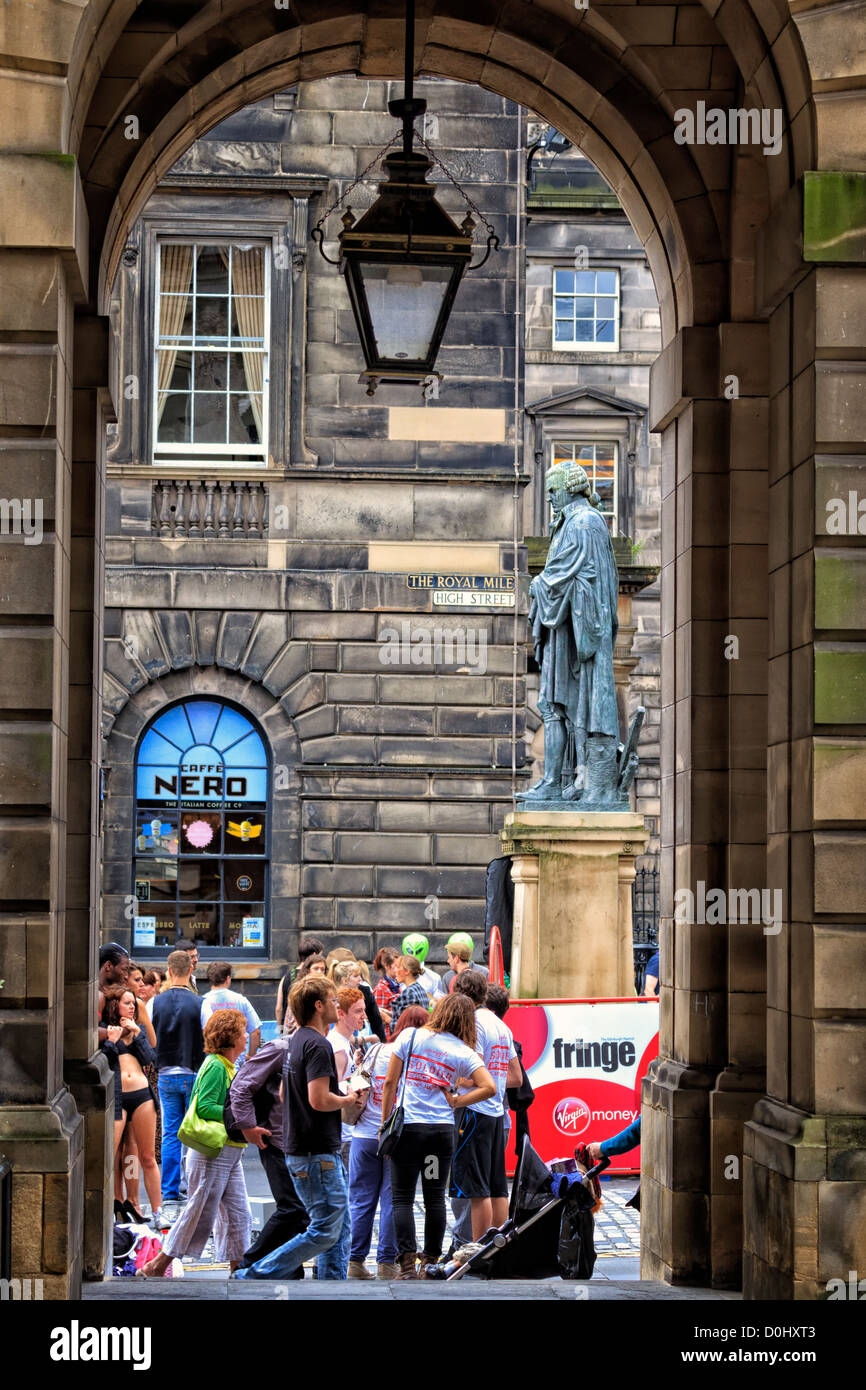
[[312, 1114]]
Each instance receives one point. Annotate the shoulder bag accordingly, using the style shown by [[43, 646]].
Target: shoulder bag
[[393, 1126], [362, 1077], [206, 1137]]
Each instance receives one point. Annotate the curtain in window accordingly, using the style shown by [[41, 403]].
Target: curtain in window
[[248, 291], [175, 280]]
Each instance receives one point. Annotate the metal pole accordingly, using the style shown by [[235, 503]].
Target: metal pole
[[409, 77]]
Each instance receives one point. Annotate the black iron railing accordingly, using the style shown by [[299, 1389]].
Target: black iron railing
[[645, 921]]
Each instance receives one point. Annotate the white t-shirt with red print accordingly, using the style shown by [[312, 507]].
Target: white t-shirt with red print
[[437, 1063], [496, 1045]]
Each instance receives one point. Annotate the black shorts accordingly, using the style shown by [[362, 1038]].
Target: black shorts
[[478, 1165], [131, 1100]]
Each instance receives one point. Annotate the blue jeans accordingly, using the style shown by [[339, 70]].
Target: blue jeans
[[174, 1094], [320, 1182], [369, 1185]]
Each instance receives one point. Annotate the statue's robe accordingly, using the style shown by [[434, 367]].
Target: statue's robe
[[574, 621]]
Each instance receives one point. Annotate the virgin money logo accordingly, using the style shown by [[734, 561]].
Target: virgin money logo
[[571, 1116]]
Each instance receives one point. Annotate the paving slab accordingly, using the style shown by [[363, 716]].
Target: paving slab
[[377, 1291]]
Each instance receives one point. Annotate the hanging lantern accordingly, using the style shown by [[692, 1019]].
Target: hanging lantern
[[403, 262], [404, 259]]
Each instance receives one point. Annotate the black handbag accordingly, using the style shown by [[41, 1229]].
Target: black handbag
[[393, 1126]]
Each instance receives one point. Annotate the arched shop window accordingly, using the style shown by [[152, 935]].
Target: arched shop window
[[201, 831]]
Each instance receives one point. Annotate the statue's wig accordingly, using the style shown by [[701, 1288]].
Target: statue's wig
[[576, 481], [554, 476]]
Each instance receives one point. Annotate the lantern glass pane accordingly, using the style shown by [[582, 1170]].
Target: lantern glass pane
[[404, 303]]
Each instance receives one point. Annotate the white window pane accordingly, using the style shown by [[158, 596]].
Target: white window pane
[[175, 317], [245, 415], [564, 331], [606, 281], [585, 281], [563, 281], [605, 331], [212, 296], [174, 418], [209, 418], [583, 331], [248, 319], [212, 270], [248, 270], [238, 371], [211, 371], [211, 318], [174, 370]]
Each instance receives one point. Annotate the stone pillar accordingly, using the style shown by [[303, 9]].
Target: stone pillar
[[805, 1166], [675, 1229], [43, 261], [524, 941], [624, 661], [709, 399], [572, 907], [86, 1071], [743, 366]]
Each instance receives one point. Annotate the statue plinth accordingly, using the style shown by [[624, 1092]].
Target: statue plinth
[[573, 873]]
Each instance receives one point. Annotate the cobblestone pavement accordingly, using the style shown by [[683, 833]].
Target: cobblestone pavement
[[617, 1227]]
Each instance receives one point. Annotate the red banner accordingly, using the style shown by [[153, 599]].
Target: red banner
[[585, 1059]]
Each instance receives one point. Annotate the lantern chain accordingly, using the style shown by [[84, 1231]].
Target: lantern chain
[[462, 191], [318, 234], [395, 139]]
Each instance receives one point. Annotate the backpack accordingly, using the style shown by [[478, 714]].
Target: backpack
[[520, 1097]]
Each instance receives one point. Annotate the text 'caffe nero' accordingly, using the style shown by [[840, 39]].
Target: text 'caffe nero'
[[201, 829]]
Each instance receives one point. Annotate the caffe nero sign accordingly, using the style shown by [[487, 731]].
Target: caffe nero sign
[[176, 766]]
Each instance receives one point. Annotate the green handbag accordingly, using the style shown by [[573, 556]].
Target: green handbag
[[207, 1137]]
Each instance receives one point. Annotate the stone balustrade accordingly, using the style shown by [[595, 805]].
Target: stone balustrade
[[220, 509]]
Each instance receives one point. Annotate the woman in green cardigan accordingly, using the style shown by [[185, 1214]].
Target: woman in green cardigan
[[217, 1192]]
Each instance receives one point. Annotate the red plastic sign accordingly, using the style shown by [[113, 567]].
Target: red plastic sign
[[585, 1059]]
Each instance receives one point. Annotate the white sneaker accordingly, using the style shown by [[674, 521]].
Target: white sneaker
[[166, 1216]]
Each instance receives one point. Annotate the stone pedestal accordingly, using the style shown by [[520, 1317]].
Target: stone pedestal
[[572, 877]]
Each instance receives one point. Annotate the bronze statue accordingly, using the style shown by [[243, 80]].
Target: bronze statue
[[573, 615]]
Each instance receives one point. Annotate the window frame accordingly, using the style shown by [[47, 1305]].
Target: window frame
[[220, 951], [209, 455], [576, 442], [594, 346]]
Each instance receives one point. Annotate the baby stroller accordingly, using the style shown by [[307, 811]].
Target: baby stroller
[[549, 1230]]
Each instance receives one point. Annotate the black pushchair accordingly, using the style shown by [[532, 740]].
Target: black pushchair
[[549, 1230]]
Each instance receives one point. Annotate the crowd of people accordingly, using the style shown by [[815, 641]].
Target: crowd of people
[[369, 1090]]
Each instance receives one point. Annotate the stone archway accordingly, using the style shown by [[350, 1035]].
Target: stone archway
[[754, 395]]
